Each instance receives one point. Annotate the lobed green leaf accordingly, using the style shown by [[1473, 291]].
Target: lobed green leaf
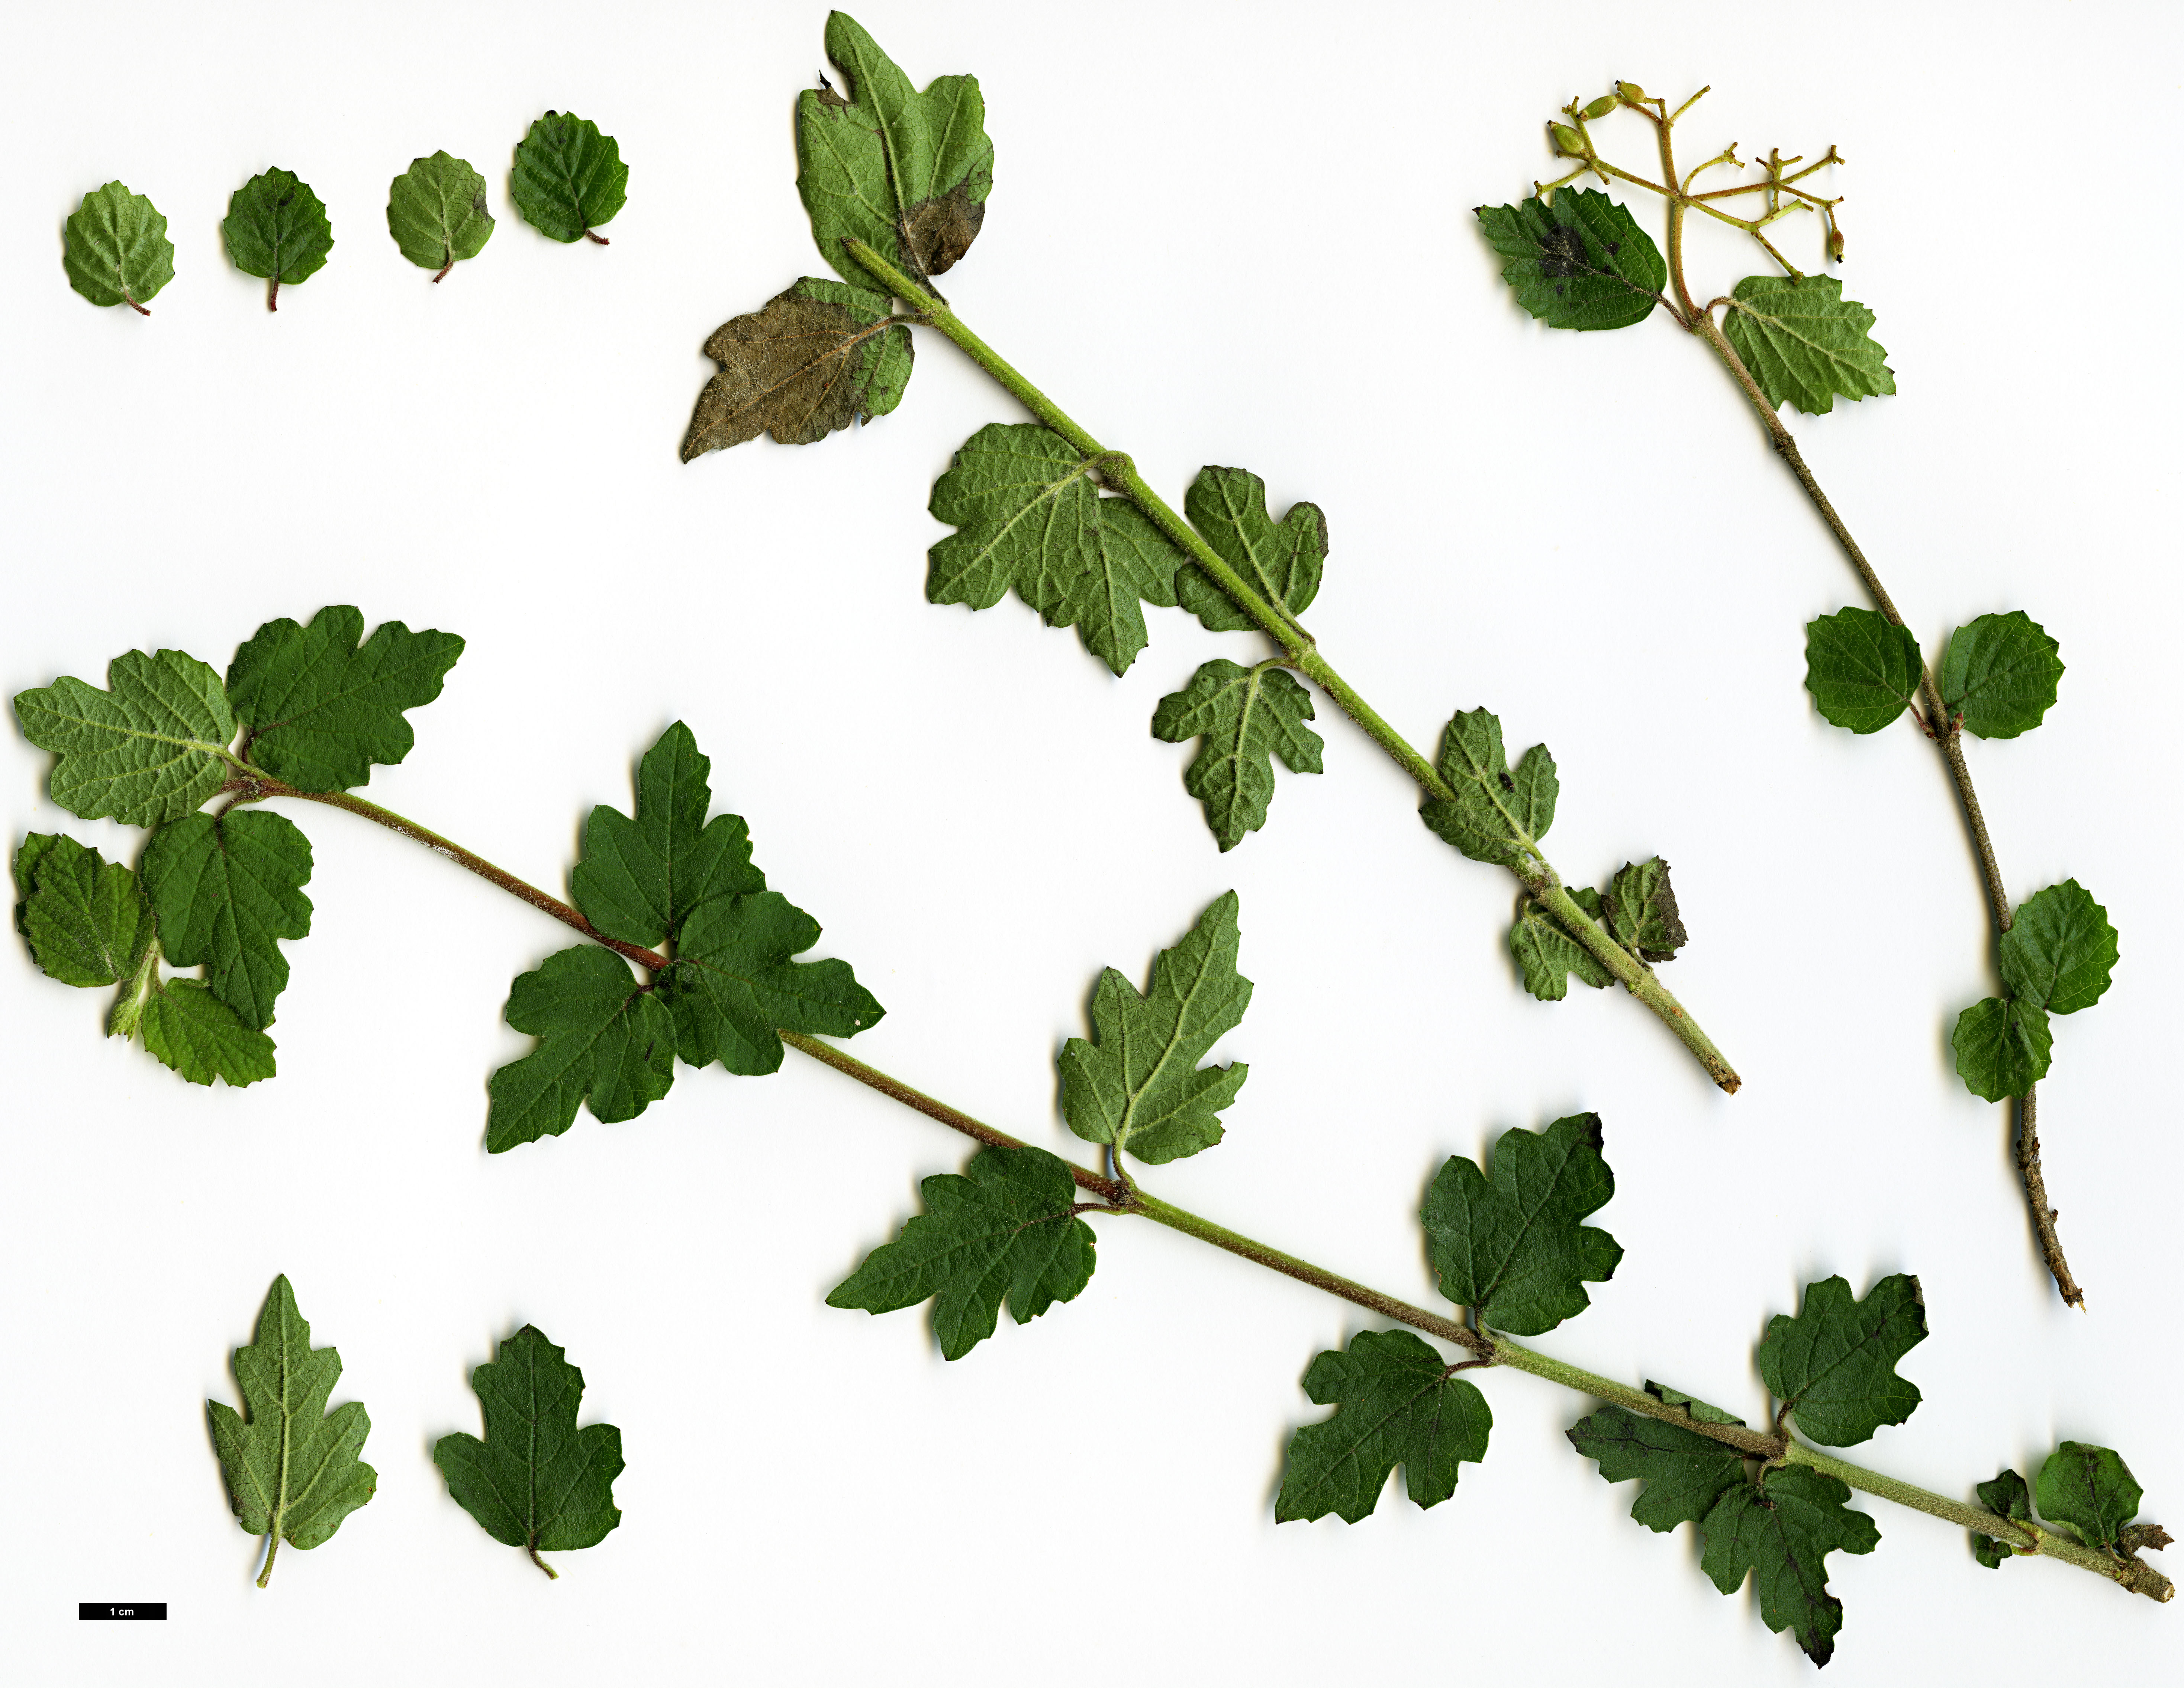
[[1804, 343], [1394, 1404], [276, 228], [150, 749], [1684, 1473], [2089, 1490], [1779, 1532], [1862, 669], [1640, 911], [568, 178], [435, 212], [2060, 951], [188, 1029], [1281, 561], [116, 249], [1579, 262], [1497, 815], [813, 359], [1700, 1411], [2000, 673], [85, 918], [2007, 1495], [2004, 1046], [1833, 1366], [1549, 957], [226, 890], [1244, 717], [734, 985], [604, 1039]]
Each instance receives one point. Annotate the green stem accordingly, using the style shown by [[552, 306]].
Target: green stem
[[1117, 470], [272, 1547]]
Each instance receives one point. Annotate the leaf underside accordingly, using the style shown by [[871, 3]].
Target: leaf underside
[[85, 918], [1833, 1366], [2000, 674], [435, 212], [1862, 669], [1499, 814], [114, 247], [150, 749], [276, 229], [1804, 343], [1244, 718], [1548, 957], [568, 178], [1280, 560], [814, 359], [1580, 263], [1394, 1404]]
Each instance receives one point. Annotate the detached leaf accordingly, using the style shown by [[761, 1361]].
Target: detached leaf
[[1000, 1229], [2004, 1046], [1641, 910], [2000, 672], [226, 890], [1834, 1365], [188, 1029], [1511, 1248], [1781, 1532], [1281, 561], [1497, 815], [1579, 263], [116, 249], [1804, 343], [1549, 957], [1394, 1404], [321, 710], [1137, 1083], [1247, 717], [814, 358], [2060, 951], [1031, 518], [536, 1481], [1684, 1473], [2091, 1490], [603, 1038], [435, 212], [83, 917], [1862, 669], [640, 879], [277, 230], [734, 984], [149, 750], [292, 1466], [569, 179], [2008, 1495], [906, 173]]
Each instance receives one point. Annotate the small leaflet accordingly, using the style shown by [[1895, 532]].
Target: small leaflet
[[1862, 669], [2004, 1046], [116, 249], [292, 1466], [1548, 957], [814, 358], [1640, 911], [1701, 1412], [187, 1027], [2000, 673], [85, 918], [1833, 1366], [1684, 1473], [1137, 1083], [907, 173], [1001, 1230], [536, 1481], [225, 889], [1779, 1532], [1499, 815], [735, 986], [1580, 263], [435, 212], [1281, 561], [1030, 517], [2090, 1491], [1394, 1404], [2007, 1495], [1804, 343], [150, 749], [1511, 1247], [569, 180], [2060, 951], [604, 1039], [1244, 718], [319, 708], [276, 229]]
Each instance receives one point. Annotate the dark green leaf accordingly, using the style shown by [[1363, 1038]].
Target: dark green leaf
[[1549, 956], [640, 878], [601, 1039], [115, 248], [1137, 1083], [225, 891], [435, 212], [149, 750], [1511, 1248], [1000, 1229], [734, 984], [1862, 669], [276, 228], [320, 709], [1641, 910], [536, 1481], [1394, 1404], [1834, 1365], [83, 917], [1804, 343], [1684, 1473], [569, 179], [1031, 518], [1999, 673], [906, 173], [1579, 263], [292, 1466], [2060, 950], [2007, 1495], [814, 358], [2004, 1046], [187, 1027], [1781, 1531], [1245, 716], [1497, 815], [1281, 561], [2091, 1490], [1701, 1411]]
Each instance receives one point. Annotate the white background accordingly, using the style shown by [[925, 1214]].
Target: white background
[[1227, 234]]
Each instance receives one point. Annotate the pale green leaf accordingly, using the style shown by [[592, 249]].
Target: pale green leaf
[[568, 179], [1244, 717], [1394, 1404], [1640, 911], [435, 212], [1804, 343], [115, 248], [1497, 815], [188, 1029], [1549, 957], [83, 917], [150, 749], [1281, 561]]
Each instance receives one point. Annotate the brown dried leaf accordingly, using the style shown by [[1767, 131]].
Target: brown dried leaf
[[817, 358]]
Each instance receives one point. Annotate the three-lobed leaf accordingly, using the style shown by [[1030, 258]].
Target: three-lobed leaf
[[149, 750], [1579, 262], [1999, 673], [1512, 1247], [1862, 669], [2060, 951], [815, 358], [1244, 717], [1394, 1404], [568, 179], [83, 917], [1779, 1532], [1833, 1366], [1548, 957], [1684, 1472], [536, 1481], [2006, 1496], [604, 1040], [2003, 1046], [1137, 1084], [1498, 815], [435, 212], [225, 889], [116, 249], [276, 229], [1804, 343], [1282, 561], [2091, 1490], [1001, 1230], [735, 984]]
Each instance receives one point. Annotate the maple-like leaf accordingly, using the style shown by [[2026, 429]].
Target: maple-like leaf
[[1394, 1404], [149, 750], [1244, 717], [226, 888], [604, 1040], [1779, 1532], [1498, 814], [1280, 560], [1833, 1366]]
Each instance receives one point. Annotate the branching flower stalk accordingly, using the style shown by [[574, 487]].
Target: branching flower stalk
[[1797, 341]]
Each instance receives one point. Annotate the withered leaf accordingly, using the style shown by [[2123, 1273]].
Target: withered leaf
[[817, 358]]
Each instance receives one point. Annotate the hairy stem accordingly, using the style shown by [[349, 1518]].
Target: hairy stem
[[1116, 469], [272, 1547]]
